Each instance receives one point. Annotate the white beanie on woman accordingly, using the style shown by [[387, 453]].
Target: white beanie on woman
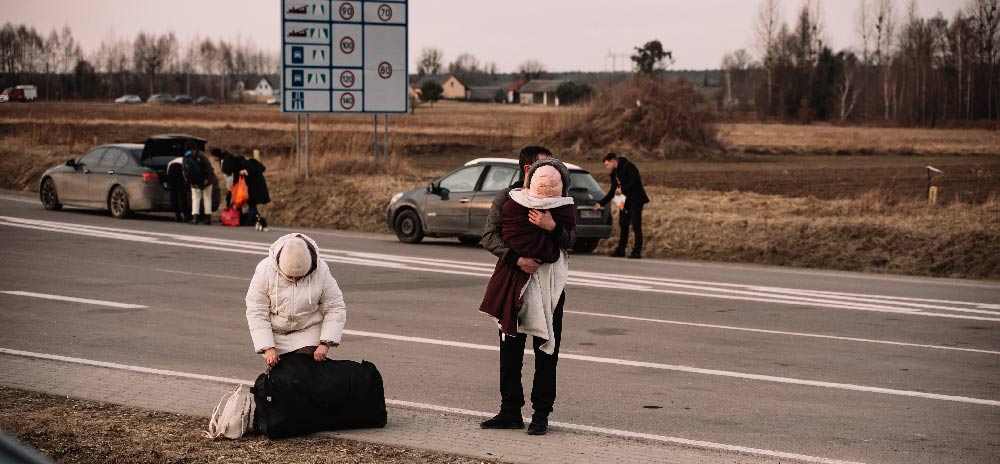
[[294, 259]]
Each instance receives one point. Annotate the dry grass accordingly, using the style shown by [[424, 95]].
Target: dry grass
[[872, 233], [856, 212], [826, 139], [75, 431]]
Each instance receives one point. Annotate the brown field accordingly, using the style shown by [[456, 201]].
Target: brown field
[[813, 196], [76, 431]]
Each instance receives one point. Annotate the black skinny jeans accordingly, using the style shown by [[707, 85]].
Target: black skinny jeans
[[631, 215], [543, 389]]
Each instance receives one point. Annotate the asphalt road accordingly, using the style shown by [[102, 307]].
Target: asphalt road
[[827, 364]]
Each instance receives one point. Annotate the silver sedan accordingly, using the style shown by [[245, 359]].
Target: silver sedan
[[111, 177]]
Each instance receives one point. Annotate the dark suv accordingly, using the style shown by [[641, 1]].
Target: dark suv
[[456, 205]]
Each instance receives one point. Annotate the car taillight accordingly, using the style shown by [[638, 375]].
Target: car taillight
[[150, 178]]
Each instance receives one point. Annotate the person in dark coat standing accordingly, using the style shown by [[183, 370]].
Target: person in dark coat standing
[[253, 173], [625, 180], [543, 390]]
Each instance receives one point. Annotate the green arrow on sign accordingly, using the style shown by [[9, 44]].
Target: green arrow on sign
[[326, 33], [323, 76], [311, 32]]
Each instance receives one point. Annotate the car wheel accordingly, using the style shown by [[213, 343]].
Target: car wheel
[[50, 200], [118, 203], [585, 245], [469, 239], [408, 228]]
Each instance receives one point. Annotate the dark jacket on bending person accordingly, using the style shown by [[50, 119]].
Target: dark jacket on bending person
[[626, 176], [493, 232]]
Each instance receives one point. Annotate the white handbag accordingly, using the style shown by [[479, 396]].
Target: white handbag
[[233, 417]]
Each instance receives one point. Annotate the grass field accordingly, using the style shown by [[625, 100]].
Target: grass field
[[813, 196], [74, 431]]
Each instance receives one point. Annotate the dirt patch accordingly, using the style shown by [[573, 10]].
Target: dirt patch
[[77, 431]]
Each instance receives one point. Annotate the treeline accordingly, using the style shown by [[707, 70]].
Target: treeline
[[144, 65], [904, 68]]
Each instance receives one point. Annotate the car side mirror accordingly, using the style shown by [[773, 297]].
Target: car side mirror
[[71, 163], [431, 188]]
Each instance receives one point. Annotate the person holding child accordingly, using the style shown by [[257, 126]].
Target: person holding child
[[529, 230]]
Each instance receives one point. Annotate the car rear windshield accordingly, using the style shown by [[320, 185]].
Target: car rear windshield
[[583, 180]]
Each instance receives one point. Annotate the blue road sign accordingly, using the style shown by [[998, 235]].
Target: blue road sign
[[298, 55], [297, 78], [298, 101]]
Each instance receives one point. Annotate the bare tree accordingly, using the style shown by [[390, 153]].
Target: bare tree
[[766, 29], [864, 26], [531, 69], [53, 43], [848, 88], [151, 54], [69, 53], [885, 27], [430, 61], [465, 65]]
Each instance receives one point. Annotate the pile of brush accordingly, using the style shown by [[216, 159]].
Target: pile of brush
[[648, 115]]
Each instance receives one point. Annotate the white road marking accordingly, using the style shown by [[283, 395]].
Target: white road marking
[[217, 276], [431, 407], [779, 332], [717, 290], [691, 370], [20, 200], [75, 300]]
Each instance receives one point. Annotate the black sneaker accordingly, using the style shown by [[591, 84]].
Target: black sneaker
[[503, 421], [635, 256], [617, 254], [538, 426]]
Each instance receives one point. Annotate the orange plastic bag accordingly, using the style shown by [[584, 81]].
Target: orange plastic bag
[[239, 192]]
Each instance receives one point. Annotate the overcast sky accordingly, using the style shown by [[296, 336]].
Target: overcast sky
[[565, 35]]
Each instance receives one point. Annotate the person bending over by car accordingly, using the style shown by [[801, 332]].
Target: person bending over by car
[[625, 180], [200, 175], [294, 304], [180, 199]]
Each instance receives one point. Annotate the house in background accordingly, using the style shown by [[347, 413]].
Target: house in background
[[541, 92], [256, 88], [514, 90], [453, 88]]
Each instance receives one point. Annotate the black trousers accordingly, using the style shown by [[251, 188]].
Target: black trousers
[[631, 215], [543, 388], [180, 193]]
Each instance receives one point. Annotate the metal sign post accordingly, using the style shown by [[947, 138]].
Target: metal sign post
[[298, 152], [308, 154], [345, 56]]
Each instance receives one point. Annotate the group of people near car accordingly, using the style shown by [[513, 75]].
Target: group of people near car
[[191, 180], [294, 306]]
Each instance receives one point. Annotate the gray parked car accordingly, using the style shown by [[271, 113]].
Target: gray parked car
[[456, 205], [121, 178]]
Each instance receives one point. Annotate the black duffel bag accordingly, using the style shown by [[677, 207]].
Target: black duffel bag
[[301, 396]]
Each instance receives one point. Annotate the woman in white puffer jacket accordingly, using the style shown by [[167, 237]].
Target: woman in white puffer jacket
[[294, 303]]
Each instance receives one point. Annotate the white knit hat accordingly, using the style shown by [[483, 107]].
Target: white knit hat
[[295, 260]]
